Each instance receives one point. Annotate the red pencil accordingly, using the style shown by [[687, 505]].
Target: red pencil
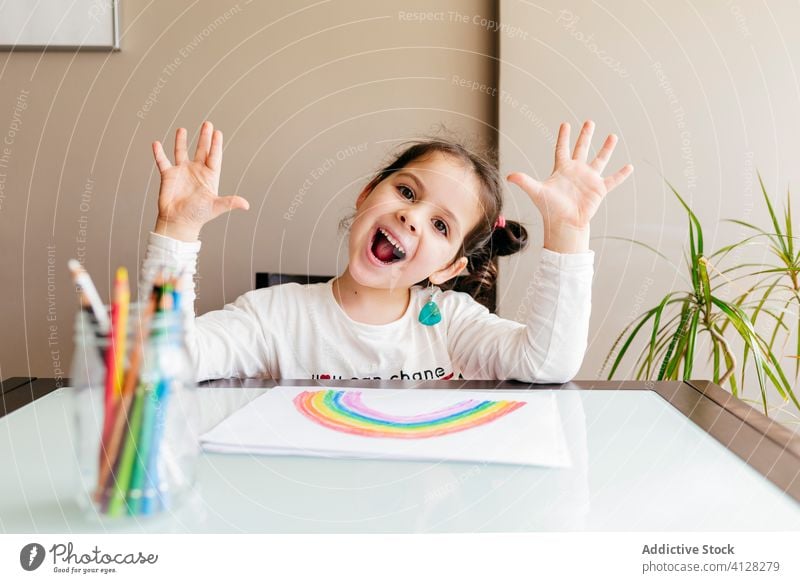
[[111, 363]]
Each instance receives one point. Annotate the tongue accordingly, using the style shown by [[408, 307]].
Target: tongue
[[382, 249]]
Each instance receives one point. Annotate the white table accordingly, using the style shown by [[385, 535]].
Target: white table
[[639, 463]]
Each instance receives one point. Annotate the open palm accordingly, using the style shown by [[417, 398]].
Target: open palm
[[574, 191], [188, 197]]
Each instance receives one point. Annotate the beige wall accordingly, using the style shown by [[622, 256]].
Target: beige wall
[[703, 93], [310, 94]]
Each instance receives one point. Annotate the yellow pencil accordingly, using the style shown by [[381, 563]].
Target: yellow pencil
[[122, 297]]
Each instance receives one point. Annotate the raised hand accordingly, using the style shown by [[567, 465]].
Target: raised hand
[[570, 197], [188, 197]]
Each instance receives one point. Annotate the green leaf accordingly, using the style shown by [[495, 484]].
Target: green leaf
[[695, 268], [788, 219], [679, 334], [728, 270], [678, 355], [729, 364], [797, 352], [627, 343], [772, 216], [690, 343], [706, 285], [646, 316], [777, 238], [749, 226], [722, 252], [742, 325], [778, 321], [784, 381], [635, 242], [778, 325], [715, 345], [764, 298], [646, 357], [775, 382], [732, 379], [693, 219], [616, 343], [656, 322]]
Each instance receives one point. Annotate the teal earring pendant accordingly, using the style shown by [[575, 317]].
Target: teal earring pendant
[[430, 315]]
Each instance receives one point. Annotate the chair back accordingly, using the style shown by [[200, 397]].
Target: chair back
[[269, 279]]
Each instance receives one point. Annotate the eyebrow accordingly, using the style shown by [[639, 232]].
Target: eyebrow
[[420, 186]]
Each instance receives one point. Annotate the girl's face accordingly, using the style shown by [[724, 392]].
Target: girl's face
[[411, 225]]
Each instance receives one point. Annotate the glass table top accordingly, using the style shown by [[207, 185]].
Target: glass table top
[[638, 464]]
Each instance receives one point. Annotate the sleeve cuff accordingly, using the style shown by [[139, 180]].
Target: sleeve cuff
[[568, 261], [174, 245]]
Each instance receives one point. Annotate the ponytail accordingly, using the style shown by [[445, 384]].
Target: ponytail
[[481, 280]]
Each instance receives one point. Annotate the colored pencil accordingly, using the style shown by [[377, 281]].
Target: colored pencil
[[122, 475], [114, 440], [122, 298], [143, 452], [143, 329], [152, 494], [115, 358], [128, 478], [94, 326], [111, 375], [88, 291], [155, 498]]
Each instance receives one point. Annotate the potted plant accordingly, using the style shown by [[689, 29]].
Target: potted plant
[[676, 322]]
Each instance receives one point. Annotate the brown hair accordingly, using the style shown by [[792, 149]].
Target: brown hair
[[484, 243]]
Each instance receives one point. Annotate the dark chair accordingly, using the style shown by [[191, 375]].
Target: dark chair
[[266, 279]]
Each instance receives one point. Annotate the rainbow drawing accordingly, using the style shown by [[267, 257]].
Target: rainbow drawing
[[344, 411]]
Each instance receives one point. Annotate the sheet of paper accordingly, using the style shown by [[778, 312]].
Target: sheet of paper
[[521, 428]]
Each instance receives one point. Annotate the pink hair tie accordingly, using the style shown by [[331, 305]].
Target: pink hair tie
[[500, 222]]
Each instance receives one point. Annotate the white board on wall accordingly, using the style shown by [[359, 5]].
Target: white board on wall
[[60, 24]]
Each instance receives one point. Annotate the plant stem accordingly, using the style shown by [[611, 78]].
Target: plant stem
[[726, 347]]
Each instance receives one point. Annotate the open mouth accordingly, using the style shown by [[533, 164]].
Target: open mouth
[[386, 248]]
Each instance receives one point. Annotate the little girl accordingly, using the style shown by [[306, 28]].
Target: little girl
[[424, 218]]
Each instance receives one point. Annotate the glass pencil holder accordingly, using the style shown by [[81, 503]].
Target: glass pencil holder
[[136, 412]]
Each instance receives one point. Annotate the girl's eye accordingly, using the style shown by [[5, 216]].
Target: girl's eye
[[440, 226], [405, 192]]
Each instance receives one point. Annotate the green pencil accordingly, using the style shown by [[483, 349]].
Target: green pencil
[[145, 441], [127, 459]]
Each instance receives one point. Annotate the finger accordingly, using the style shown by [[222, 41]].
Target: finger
[[599, 163], [562, 144], [215, 155], [204, 142], [532, 187], [180, 146], [162, 161], [223, 204], [618, 177], [584, 139]]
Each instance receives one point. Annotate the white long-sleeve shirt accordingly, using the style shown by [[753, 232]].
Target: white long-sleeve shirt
[[297, 331]]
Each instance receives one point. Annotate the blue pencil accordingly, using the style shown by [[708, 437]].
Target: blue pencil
[[153, 499]]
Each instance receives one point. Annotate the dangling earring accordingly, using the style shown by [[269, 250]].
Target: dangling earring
[[430, 315]]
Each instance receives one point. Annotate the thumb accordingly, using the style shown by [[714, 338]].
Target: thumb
[[532, 187], [224, 204]]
